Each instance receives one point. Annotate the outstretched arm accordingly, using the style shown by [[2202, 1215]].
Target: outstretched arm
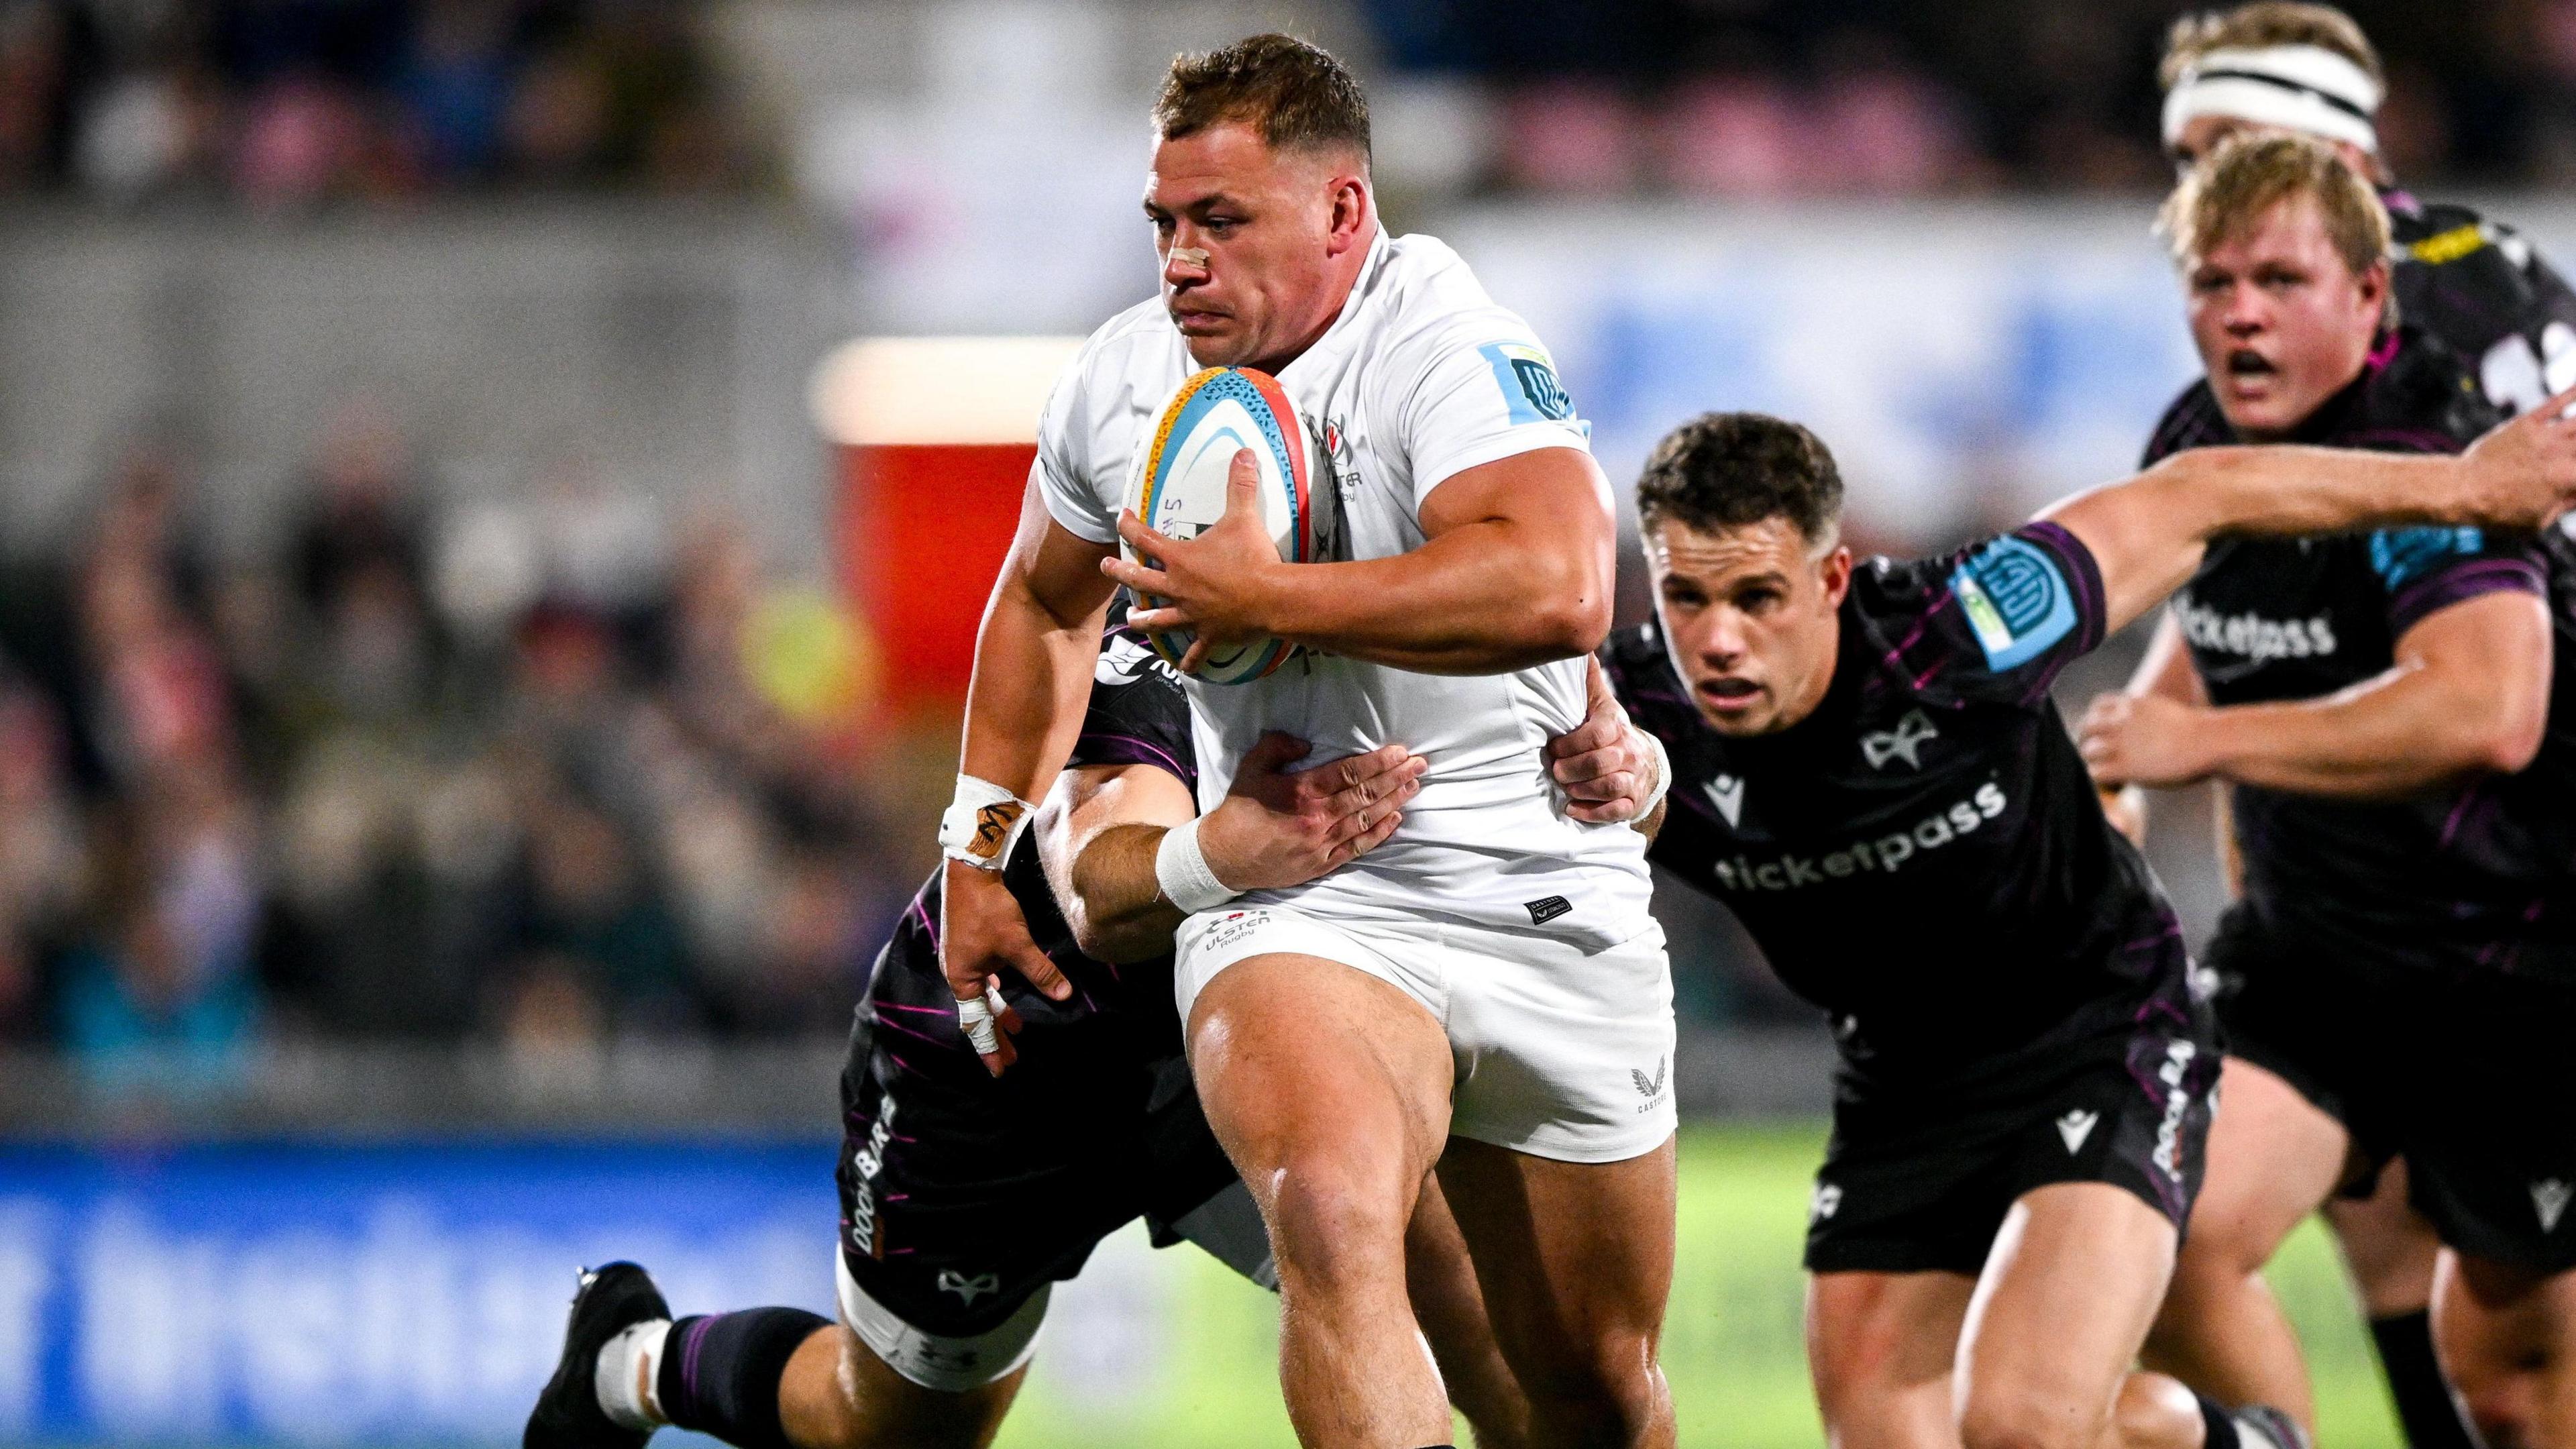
[[2147, 534], [1517, 570], [1101, 831]]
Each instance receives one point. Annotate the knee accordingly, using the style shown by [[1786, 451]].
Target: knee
[[1609, 1397], [1331, 1225], [2154, 1410], [2023, 1419], [2220, 1254]]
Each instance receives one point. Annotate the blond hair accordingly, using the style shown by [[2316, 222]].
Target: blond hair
[[2245, 176], [2266, 23]]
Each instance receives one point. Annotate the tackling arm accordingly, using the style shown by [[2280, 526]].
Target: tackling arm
[[1101, 832], [2147, 534], [1517, 570], [1033, 660]]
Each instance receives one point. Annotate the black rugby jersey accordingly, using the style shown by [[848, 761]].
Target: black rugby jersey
[[1924, 856], [2288, 619], [1137, 716], [2486, 294]]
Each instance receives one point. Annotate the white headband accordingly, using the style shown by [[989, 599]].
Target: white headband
[[2299, 87]]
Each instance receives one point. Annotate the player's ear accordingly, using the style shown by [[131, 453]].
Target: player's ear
[[1350, 209], [2375, 281], [1836, 570]]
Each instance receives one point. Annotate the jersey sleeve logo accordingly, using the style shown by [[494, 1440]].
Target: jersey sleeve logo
[[1528, 383], [2401, 555], [2016, 600]]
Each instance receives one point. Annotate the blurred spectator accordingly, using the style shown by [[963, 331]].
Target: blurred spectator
[[600, 786], [1798, 97], [287, 102]]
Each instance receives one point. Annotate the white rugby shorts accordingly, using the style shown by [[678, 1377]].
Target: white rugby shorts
[[1559, 1053]]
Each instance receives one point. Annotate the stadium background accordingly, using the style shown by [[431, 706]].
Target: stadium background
[[477, 651]]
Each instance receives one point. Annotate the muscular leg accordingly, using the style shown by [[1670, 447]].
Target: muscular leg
[[2507, 1338], [1451, 1309], [2074, 1279], [1576, 1262], [1881, 1348], [1330, 1090], [2389, 1249], [2273, 1158], [839, 1395]]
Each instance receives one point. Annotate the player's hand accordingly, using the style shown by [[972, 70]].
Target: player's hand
[[2522, 473], [982, 933], [1604, 764], [2126, 808], [1280, 827], [1214, 585], [2143, 739]]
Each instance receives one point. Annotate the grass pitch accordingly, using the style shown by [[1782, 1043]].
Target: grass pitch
[[1169, 1349]]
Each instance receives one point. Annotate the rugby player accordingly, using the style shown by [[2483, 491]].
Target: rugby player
[[1868, 770], [1487, 989], [2481, 290], [2475, 284], [963, 1199], [2360, 694]]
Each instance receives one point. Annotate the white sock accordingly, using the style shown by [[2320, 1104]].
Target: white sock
[[629, 1366]]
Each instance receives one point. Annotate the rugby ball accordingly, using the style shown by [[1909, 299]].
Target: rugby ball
[[1179, 488]]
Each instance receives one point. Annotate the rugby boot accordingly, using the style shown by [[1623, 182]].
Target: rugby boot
[[610, 1299]]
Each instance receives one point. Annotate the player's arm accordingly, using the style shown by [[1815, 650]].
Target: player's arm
[[1104, 831], [2468, 694], [1609, 769], [2164, 671], [1033, 662], [2148, 533], [1516, 570]]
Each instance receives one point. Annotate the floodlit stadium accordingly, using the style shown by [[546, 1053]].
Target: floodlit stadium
[[530, 529]]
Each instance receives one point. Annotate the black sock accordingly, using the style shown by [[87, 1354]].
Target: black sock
[[2220, 1423], [721, 1372], [2424, 1404]]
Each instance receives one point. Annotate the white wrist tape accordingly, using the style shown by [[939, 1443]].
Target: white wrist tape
[[1182, 870], [982, 824], [1663, 775], [976, 1015]]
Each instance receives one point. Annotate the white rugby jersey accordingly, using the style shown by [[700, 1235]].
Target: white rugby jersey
[[1421, 378]]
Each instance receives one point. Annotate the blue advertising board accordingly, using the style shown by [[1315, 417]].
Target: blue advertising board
[[361, 1293]]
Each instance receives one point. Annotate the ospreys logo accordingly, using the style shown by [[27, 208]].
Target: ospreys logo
[[1905, 742], [1127, 658], [2016, 601], [969, 1289]]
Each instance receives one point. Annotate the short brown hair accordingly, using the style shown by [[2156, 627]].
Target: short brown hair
[[1293, 92], [1730, 470], [2266, 23], [2246, 175]]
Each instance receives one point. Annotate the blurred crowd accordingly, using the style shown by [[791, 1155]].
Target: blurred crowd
[[508, 772], [1757, 98], [284, 101]]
